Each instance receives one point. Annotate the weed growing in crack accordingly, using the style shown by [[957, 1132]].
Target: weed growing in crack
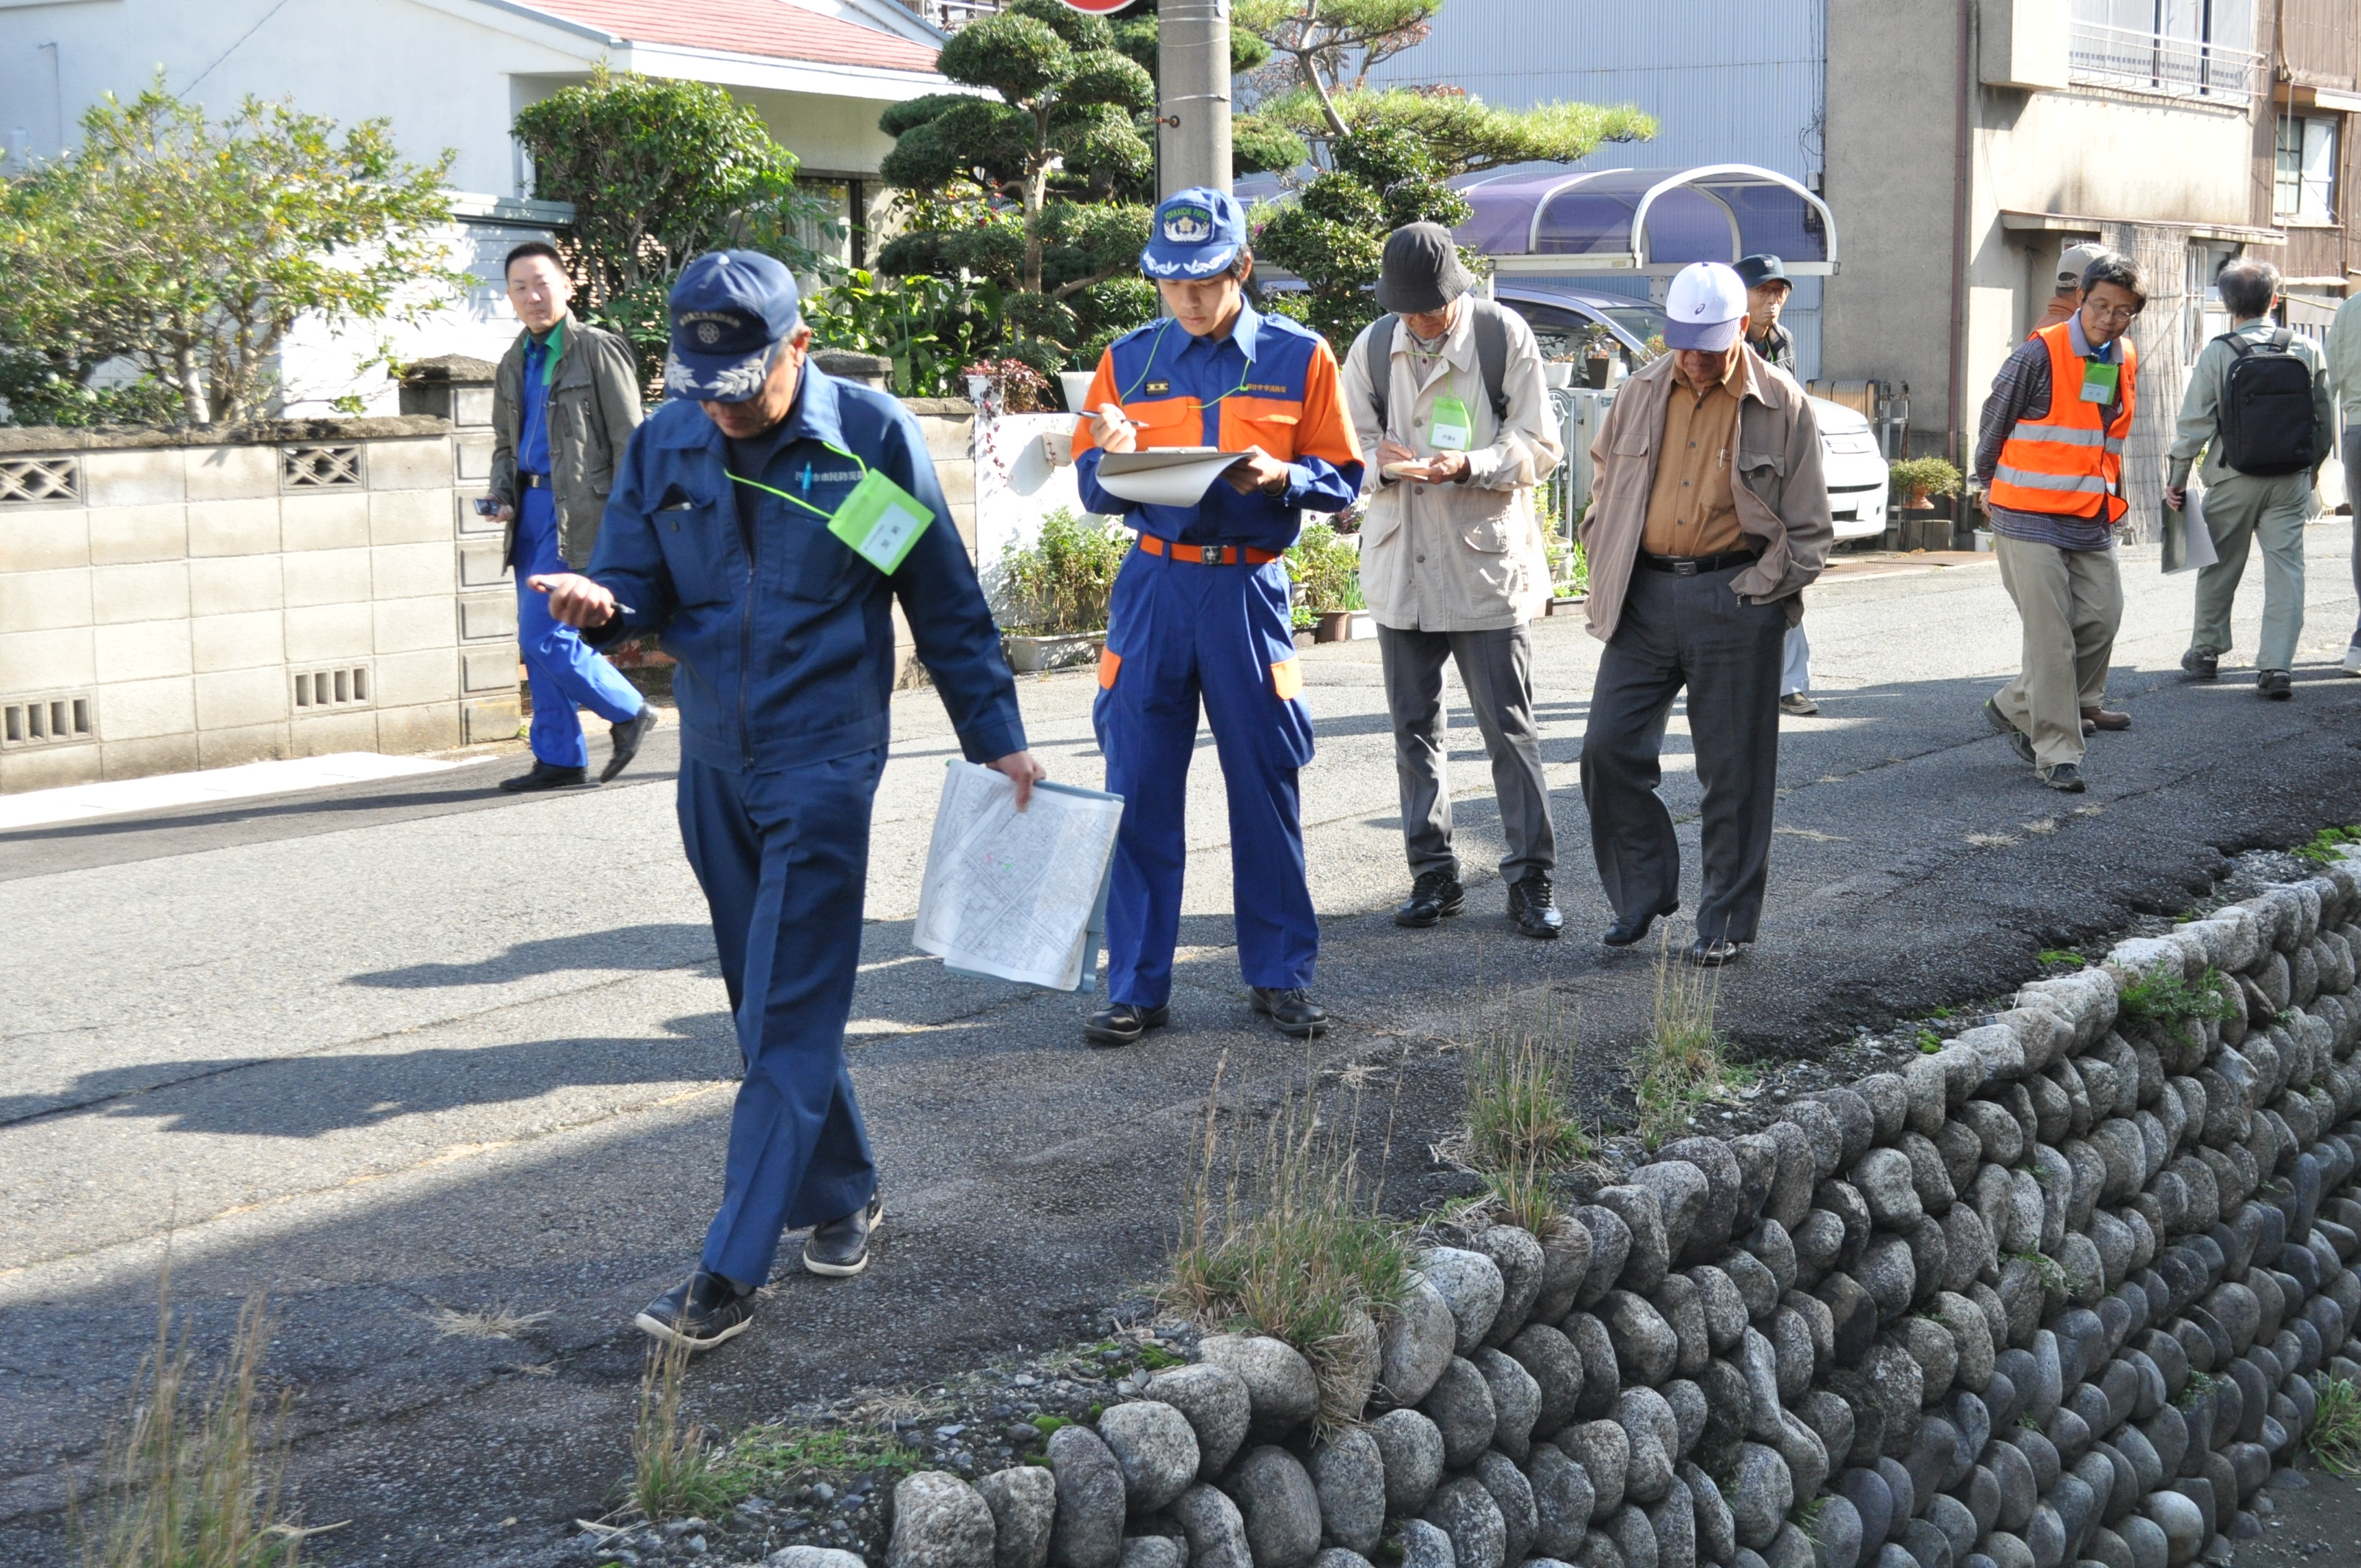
[[1679, 1068], [193, 1479], [2049, 956], [1519, 1096], [495, 1321], [673, 1468], [2326, 845], [1290, 1246], [2193, 1390], [2336, 1428], [2165, 999]]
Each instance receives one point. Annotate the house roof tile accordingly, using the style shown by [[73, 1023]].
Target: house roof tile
[[770, 27]]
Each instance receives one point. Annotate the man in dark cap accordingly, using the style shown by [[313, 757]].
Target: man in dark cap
[[1447, 389], [765, 522], [1767, 288]]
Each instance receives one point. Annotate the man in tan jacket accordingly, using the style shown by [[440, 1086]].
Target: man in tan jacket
[[1708, 519], [1447, 391]]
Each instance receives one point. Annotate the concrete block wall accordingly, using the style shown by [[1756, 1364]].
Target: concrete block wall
[[178, 600]]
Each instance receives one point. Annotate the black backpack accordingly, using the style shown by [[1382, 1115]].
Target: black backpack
[[2265, 426], [1491, 331]]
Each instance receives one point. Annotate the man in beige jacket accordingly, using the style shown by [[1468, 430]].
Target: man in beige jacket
[[1447, 391], [1710, 518]]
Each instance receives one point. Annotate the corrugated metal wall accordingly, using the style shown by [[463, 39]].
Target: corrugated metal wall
[[1728, 81]]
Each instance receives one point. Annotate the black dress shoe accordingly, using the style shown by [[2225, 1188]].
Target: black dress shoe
[[628, 736], [699, 1312], [1122, 1023], [1532, 909], [1433, 897], [1708, 955], [1629, 928], [841, 1248], [547, 775], [2274, 685], [2018, 740], [1292, 1009]]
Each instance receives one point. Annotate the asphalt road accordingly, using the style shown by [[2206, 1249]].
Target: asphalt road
[[397, 1048]]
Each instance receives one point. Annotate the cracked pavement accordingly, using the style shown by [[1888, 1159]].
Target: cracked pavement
[[395, 1048]]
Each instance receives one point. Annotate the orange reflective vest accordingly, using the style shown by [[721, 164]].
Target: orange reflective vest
[[2070, 462]]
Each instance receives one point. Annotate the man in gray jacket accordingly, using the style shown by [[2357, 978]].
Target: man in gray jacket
[[565, 402], [1447, 391], [1710, 518]]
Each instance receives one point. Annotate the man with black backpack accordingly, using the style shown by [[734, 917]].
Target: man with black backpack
[[2258, 407], [1448, 391]]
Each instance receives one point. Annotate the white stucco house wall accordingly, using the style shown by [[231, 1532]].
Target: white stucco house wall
[[452, 73]]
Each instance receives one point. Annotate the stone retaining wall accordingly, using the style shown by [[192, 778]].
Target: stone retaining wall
[[2056, 1295]]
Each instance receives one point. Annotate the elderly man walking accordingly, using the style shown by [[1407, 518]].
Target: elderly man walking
[[1448, 391], [2051, 456], [2259, 408], [1767, 289], [1710, 518], [2345, 375]]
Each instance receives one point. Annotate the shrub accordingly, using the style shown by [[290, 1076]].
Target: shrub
[[1910, 477], [2337, 1430], [1061, 583], [2166, 999], [1326, 571], [1016, 387]]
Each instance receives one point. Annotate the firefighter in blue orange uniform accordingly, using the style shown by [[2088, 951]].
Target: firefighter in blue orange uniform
[[1201, 612]]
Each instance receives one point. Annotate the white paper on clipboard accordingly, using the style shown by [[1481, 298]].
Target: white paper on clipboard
[[1016, 894], [1165, 476]]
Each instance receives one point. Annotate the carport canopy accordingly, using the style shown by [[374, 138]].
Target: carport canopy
[[1648, 221]]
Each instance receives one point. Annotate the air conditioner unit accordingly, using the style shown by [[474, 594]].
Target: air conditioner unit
[[2024, 44]]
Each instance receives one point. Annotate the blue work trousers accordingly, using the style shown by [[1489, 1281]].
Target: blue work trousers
[[784, 859], [1181, 633], [563, 671]]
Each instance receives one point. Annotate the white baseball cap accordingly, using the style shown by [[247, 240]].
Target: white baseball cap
[[1705, 308]]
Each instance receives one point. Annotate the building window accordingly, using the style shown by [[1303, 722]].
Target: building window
[[2303, 183], [2178, 48]]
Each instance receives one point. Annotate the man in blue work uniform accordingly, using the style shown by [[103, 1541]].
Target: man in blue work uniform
[[565, 400], [1201, 611], [719, 537]]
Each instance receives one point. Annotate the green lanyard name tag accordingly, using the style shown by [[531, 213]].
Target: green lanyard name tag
[[880, 521], [2099, 382], [1448, 428]]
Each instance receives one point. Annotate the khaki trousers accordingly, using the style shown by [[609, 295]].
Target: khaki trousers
[[2071, 601], [2243, 510]]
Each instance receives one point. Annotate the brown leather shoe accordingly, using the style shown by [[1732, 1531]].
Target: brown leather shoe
[[2100, 718]]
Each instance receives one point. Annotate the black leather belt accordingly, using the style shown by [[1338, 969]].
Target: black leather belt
[[532, 481], [1697, 565]]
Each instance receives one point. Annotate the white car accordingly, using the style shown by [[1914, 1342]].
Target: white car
[[1854, 468]]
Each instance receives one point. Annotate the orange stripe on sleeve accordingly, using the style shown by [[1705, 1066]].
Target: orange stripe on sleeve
[[1103, 391], [1326, 431]]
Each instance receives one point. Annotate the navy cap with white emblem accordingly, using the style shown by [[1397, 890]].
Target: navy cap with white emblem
[[1196, 233], [731, 311]]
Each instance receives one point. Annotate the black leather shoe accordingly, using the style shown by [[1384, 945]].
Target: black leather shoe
[[2064, 777], [545, 775], [628, 736], [1433, 897], [2274, 685], [2018, 740], [1708, 955], [2200, 664], [1292, 1009], [699, 1312], [1122, 1023], [841, 1248], [1532, 909], [1629, 928]]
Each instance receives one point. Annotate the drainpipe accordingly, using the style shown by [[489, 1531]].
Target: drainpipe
[[1961, 207]]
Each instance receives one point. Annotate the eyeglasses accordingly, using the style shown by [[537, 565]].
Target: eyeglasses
[[2118, 314]]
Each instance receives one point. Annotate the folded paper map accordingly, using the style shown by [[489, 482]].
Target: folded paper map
[[1017, 894]]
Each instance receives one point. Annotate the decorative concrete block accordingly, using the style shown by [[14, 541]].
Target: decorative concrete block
[[175, 753], [142, 650], [471, 463], [152, 590], [49, 767], [488, 719], [469, 522], [139, 477], [324, 632], [233, 473], [409, 517], [405, 626], [46, 661], [229, 748], [423, 464], [487, 615], [406, 678], [353, 730], [138, 710], [408, 570], [234, 585], [43, 539], [234, 528], [432, 727], [326, 576], [236, 699], [479, 566], [120, 534], [45, 601], [244, 641], [488, 670], [324, 520]]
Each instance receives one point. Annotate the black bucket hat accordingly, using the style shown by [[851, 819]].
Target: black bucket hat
[[1422, 270]]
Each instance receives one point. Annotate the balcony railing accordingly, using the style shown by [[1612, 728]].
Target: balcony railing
[[953, 14], [2144, 61]]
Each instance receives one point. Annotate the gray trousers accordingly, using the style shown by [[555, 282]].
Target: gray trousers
[[1496, 668], [2243, 512], [1795, 669], [2069, 602], [2353, 498], [1690, 633]]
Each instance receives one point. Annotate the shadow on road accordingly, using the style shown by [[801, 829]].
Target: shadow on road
[[672, 946]]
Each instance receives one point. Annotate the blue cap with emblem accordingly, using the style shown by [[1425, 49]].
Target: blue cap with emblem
[[731, 311], [1196, 234]]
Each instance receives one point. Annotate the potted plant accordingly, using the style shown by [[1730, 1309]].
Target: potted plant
[[1569, 572], [1054, 592], [1326, 568], [1918, 480], [1006, 387]]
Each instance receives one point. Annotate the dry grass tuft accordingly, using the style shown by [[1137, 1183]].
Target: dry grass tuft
[[1289, 1246], [495, 1321], [1520, 1084], [674, 1473], [1993, 840], [193, 1479], [1679, 1069], [2042, 825]]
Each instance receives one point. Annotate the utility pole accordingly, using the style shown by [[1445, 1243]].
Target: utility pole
[[1192, 113]]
